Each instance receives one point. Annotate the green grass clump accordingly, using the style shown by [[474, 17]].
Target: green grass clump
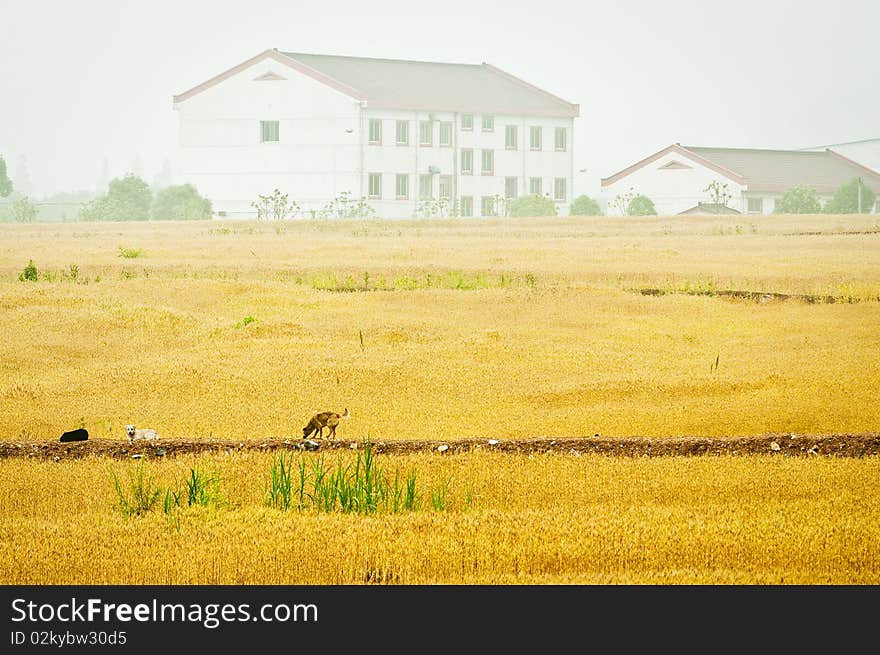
[[130, 253], [141, 494], [358, 487]]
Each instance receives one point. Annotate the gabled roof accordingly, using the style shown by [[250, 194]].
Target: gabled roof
[[731, 175], [415, 85], [770, 170], [714, 208]]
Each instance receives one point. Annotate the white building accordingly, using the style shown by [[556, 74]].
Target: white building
[[399, 133], [865, 151], [676, 178]]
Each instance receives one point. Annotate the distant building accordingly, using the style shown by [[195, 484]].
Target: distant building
[[398, 133], [866, 152], [708, 209], [676, 177]]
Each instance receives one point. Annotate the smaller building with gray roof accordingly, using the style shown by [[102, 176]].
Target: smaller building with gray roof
[[685, 178]]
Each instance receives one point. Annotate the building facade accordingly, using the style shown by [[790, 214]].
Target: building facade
[[411, 138], [676, 178]]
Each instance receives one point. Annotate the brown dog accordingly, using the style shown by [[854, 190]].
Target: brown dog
[[324, 420]]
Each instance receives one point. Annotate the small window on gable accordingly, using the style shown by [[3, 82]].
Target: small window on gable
[[268, 77], [674, 165]]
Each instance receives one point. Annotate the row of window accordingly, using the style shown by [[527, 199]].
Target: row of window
[[426, 134], [426, 187], [270, 132]]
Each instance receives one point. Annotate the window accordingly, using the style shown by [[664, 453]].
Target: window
[[425, 187], [488, 123], [375, 132], [426, 133], [402, 187], [445, 134], [510, 137], [559, 142], [467, 122], [756, 205], [467, 205], [487, 205], [375, 185], [535, 138], [402, 133], [446, 186], [559, 188], [510, 187], [488, 162], [467, 161], [268, 131], [535, 186]]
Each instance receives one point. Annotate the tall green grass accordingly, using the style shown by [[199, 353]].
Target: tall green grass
[[361, 486], [141, 494]]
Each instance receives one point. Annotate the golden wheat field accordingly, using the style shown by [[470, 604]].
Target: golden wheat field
[[507, 328]]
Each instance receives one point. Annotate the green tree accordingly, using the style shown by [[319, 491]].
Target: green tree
[[533, 205], [5, 182], [641, 206], [846, 198], [24, 211], [585, 206], [180, 203], [799, 200], [128, 199]]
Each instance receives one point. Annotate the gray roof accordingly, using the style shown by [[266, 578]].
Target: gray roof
[[709, 208], [426, 86], [779, 170]]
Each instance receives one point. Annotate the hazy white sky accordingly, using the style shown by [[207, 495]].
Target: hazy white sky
[[88, 79]]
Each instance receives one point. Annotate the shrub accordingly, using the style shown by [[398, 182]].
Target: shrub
[[29, 274], [130, 253], [346, 206], [641, 206], [180, 203], [276, 207], [846, 199], [533, 205], [585, 206], [798, 200]]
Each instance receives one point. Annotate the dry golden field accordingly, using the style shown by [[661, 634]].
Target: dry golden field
[[545, 519], [442, 330]]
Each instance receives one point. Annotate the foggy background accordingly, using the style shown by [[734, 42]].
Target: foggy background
[[86, 87]]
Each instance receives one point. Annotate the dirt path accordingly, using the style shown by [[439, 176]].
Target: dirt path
[[845, 445]]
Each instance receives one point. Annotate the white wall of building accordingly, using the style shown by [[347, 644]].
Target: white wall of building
[[417, 159], [221, 153], [673, 190], [323, 148]]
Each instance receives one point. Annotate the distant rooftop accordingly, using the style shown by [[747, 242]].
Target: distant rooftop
[[425, 85], [415, 85], [779, 170], [769, 170]]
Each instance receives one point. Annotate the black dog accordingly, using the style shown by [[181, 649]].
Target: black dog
[[75, 435]]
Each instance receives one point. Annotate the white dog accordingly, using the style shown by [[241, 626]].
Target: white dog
[[145, 434]]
